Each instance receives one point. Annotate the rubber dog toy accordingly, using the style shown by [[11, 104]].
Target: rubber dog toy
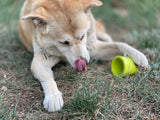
[[123, 66]]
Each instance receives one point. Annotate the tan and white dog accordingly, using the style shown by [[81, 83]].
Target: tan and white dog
[[58, 30]]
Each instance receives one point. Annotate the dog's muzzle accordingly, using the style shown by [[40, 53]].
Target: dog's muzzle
[[85, 60]]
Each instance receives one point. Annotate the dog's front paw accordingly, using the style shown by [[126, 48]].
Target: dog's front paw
[[140, 59], [53, 102]]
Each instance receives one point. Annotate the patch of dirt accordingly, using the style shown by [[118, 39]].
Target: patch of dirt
[[29, 99], [5, 76], [127, 108]]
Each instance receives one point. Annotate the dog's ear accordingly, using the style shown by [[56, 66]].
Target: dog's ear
[[91, 3], [37, 19]]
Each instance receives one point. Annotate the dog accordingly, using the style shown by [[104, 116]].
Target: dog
[[65, 30]]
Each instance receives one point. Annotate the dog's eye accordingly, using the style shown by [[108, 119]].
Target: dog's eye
[[81, 38], [65, 43], [39, 21]]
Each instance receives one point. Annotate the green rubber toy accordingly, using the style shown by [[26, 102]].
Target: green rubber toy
[[123, 66]]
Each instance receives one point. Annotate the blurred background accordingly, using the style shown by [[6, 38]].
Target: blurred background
[[118, 15]]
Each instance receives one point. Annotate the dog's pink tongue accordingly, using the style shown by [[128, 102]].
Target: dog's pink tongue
[[79, 65]]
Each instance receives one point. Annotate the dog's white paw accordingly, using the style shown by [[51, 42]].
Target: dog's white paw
[[53, 102], [140, 59]]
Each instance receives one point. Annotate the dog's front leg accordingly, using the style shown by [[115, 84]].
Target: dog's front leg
[[108, 50], [41, 69]]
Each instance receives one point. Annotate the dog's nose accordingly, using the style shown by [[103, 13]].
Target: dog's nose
[[85, 60]]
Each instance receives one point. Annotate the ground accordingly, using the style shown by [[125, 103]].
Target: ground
[[95, 94]]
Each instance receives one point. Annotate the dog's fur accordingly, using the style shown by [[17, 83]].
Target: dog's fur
[[58, 30]]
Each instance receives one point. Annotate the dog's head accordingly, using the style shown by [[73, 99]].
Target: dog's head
[[63, 24]]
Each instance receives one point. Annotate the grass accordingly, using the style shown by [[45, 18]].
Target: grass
[[95, 94], [7, 112]]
